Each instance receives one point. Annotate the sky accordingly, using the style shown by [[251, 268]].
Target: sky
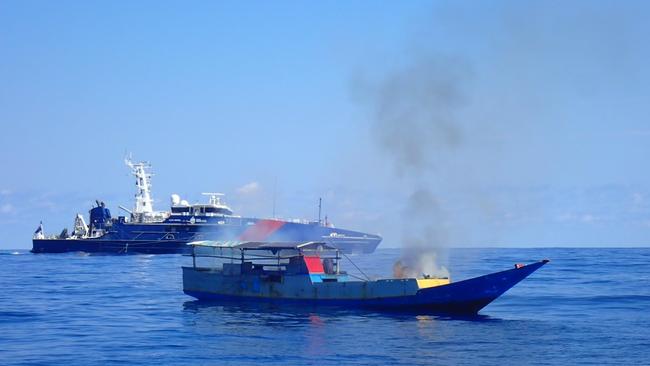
[[526, 122]]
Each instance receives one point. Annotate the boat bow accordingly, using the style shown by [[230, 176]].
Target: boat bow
[[470, 296]]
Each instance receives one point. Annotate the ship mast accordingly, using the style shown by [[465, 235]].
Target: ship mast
[[143, 201]]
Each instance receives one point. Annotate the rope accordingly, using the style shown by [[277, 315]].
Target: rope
[[361, 278], [355, 266]]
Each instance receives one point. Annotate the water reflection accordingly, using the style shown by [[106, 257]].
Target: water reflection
[[316, 315]]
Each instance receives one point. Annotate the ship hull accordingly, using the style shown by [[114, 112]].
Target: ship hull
[[154, 247], [108, 246], [463, 297], [172, 238]]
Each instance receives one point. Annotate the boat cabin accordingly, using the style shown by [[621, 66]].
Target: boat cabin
[[269, 260]]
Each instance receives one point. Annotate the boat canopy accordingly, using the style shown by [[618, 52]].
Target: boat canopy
[[260, 245]]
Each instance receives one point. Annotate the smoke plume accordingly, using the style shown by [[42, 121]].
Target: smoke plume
[[414, 122]]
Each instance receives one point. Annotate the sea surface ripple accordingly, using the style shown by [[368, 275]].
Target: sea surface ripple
[[588, 307]]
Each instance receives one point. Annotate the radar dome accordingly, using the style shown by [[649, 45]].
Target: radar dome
[[185, 203], [176, 199]]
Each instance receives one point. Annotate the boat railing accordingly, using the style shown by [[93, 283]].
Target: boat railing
[[265, 256]]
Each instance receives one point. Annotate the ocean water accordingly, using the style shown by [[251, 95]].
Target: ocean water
[[588, 306]]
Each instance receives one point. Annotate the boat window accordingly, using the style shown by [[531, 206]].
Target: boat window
[[218, 210], [273, 277]]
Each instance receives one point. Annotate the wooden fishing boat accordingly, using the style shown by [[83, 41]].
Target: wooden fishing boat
[[310, 273]]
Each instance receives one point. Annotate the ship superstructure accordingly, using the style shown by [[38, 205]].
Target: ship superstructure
[[146, 230]]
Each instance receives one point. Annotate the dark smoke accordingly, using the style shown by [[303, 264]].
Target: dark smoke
[[415, 123], [414, 113]]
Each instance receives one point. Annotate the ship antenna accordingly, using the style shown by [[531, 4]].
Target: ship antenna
[[275, 187], [320, 206], [143, 200]]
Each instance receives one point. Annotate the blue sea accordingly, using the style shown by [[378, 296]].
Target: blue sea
[[587, 307]]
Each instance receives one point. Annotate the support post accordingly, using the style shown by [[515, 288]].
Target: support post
[[337, 261]]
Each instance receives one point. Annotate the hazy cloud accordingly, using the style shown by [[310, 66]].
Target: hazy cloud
[[7, 208], [249, 189]]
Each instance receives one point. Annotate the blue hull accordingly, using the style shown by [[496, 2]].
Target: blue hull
[[153, 247], [108, 246], [172, 237], [463, 297]]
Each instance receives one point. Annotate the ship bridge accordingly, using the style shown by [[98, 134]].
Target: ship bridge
[[214, 207]]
